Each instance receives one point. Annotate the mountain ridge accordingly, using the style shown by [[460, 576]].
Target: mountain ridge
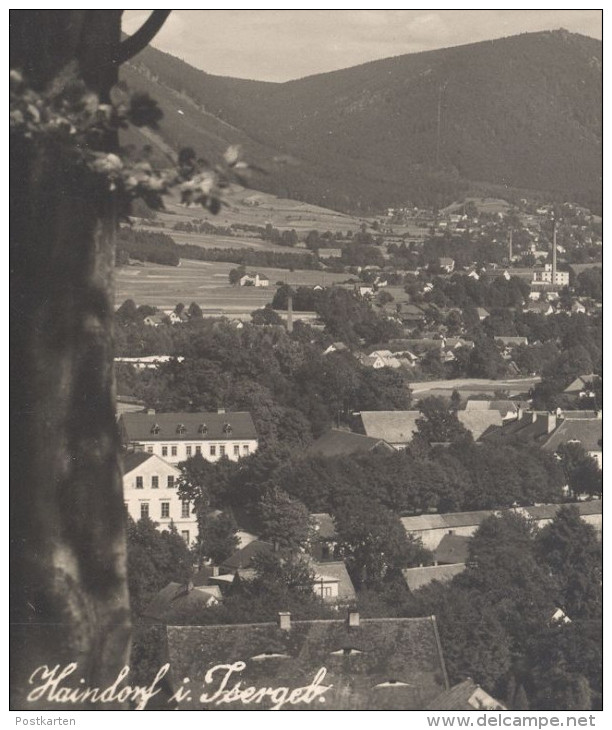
[[520, 112]]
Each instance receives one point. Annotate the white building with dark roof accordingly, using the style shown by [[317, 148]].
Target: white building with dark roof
[[176, 437], [150, 490]]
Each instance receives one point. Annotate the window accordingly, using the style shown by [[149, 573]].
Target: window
[[171, 481], [188, 450], [198, 449], [203, 428], [155, 429], [139, 484], [227, 428], [155, 482], [149, 449], [165, 509], [174, 451], [222, 450], [185, 536], [185, 509], [144, 509], [213, 450], [245, 449], [236, 450], [327, 591], [180, 429], [164, 451]]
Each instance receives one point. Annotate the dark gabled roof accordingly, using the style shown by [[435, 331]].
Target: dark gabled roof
[[392, 426], [243, 557], [337, 569], [452, 549], [532, 427], [418, 577], [175, 599], [588, 432], [134, 459], [324, 525], [140, 426], [382, 664], [479, 422], [336, 442], [466, 695], [581, 382]]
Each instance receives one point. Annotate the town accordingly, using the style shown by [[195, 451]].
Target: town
[[401, 428], [307, 362]]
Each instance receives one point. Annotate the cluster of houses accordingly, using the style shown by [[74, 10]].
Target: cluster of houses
[[495, 421], [391, 663]]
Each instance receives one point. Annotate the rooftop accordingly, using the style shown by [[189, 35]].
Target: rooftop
[[175, 600], [187, 426], [395, 427], [418, 577], [478, 422], [450, 520], [337, 442], [466, 695], [452, 549], [383, 664], [587, 432]]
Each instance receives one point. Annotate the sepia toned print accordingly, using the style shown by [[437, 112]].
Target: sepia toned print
[[306, 360]]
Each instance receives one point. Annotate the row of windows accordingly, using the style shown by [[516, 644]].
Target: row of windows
[[165, 509], [155, 482], [214, 450]]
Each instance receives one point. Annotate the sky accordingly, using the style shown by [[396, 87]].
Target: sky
[[278, 45]]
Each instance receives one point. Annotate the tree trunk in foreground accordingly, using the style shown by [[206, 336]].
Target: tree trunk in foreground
[[69, 600]]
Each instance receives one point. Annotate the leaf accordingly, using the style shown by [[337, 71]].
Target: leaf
[[232, 154]]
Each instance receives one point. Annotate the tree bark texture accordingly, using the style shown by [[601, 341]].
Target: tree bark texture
[[69, 600]]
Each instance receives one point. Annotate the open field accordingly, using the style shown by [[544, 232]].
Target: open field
[[206, 283], [484, 205], [472, 386], [255, 208], [207, 240]]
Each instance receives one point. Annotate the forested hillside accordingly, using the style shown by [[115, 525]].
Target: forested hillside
[[522, 112]]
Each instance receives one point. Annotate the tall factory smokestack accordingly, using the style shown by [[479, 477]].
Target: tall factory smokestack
[[510, 232], [290, 313], [554, 253]]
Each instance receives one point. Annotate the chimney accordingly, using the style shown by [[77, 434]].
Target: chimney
[[519, 413], [554, 253], [510, 245], [290, 314], [215, 571], [284, 620], [353, 619], [552, 422]]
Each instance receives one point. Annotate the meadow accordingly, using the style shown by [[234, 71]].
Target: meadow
[[207, 284]]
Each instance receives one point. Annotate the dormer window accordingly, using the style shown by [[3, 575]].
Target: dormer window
[[155, 429], [227, 428], [180, 429], [203, 429], [392, 683], [347, 651]]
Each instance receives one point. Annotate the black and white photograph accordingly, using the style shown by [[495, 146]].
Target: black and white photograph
[[306, 363]]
